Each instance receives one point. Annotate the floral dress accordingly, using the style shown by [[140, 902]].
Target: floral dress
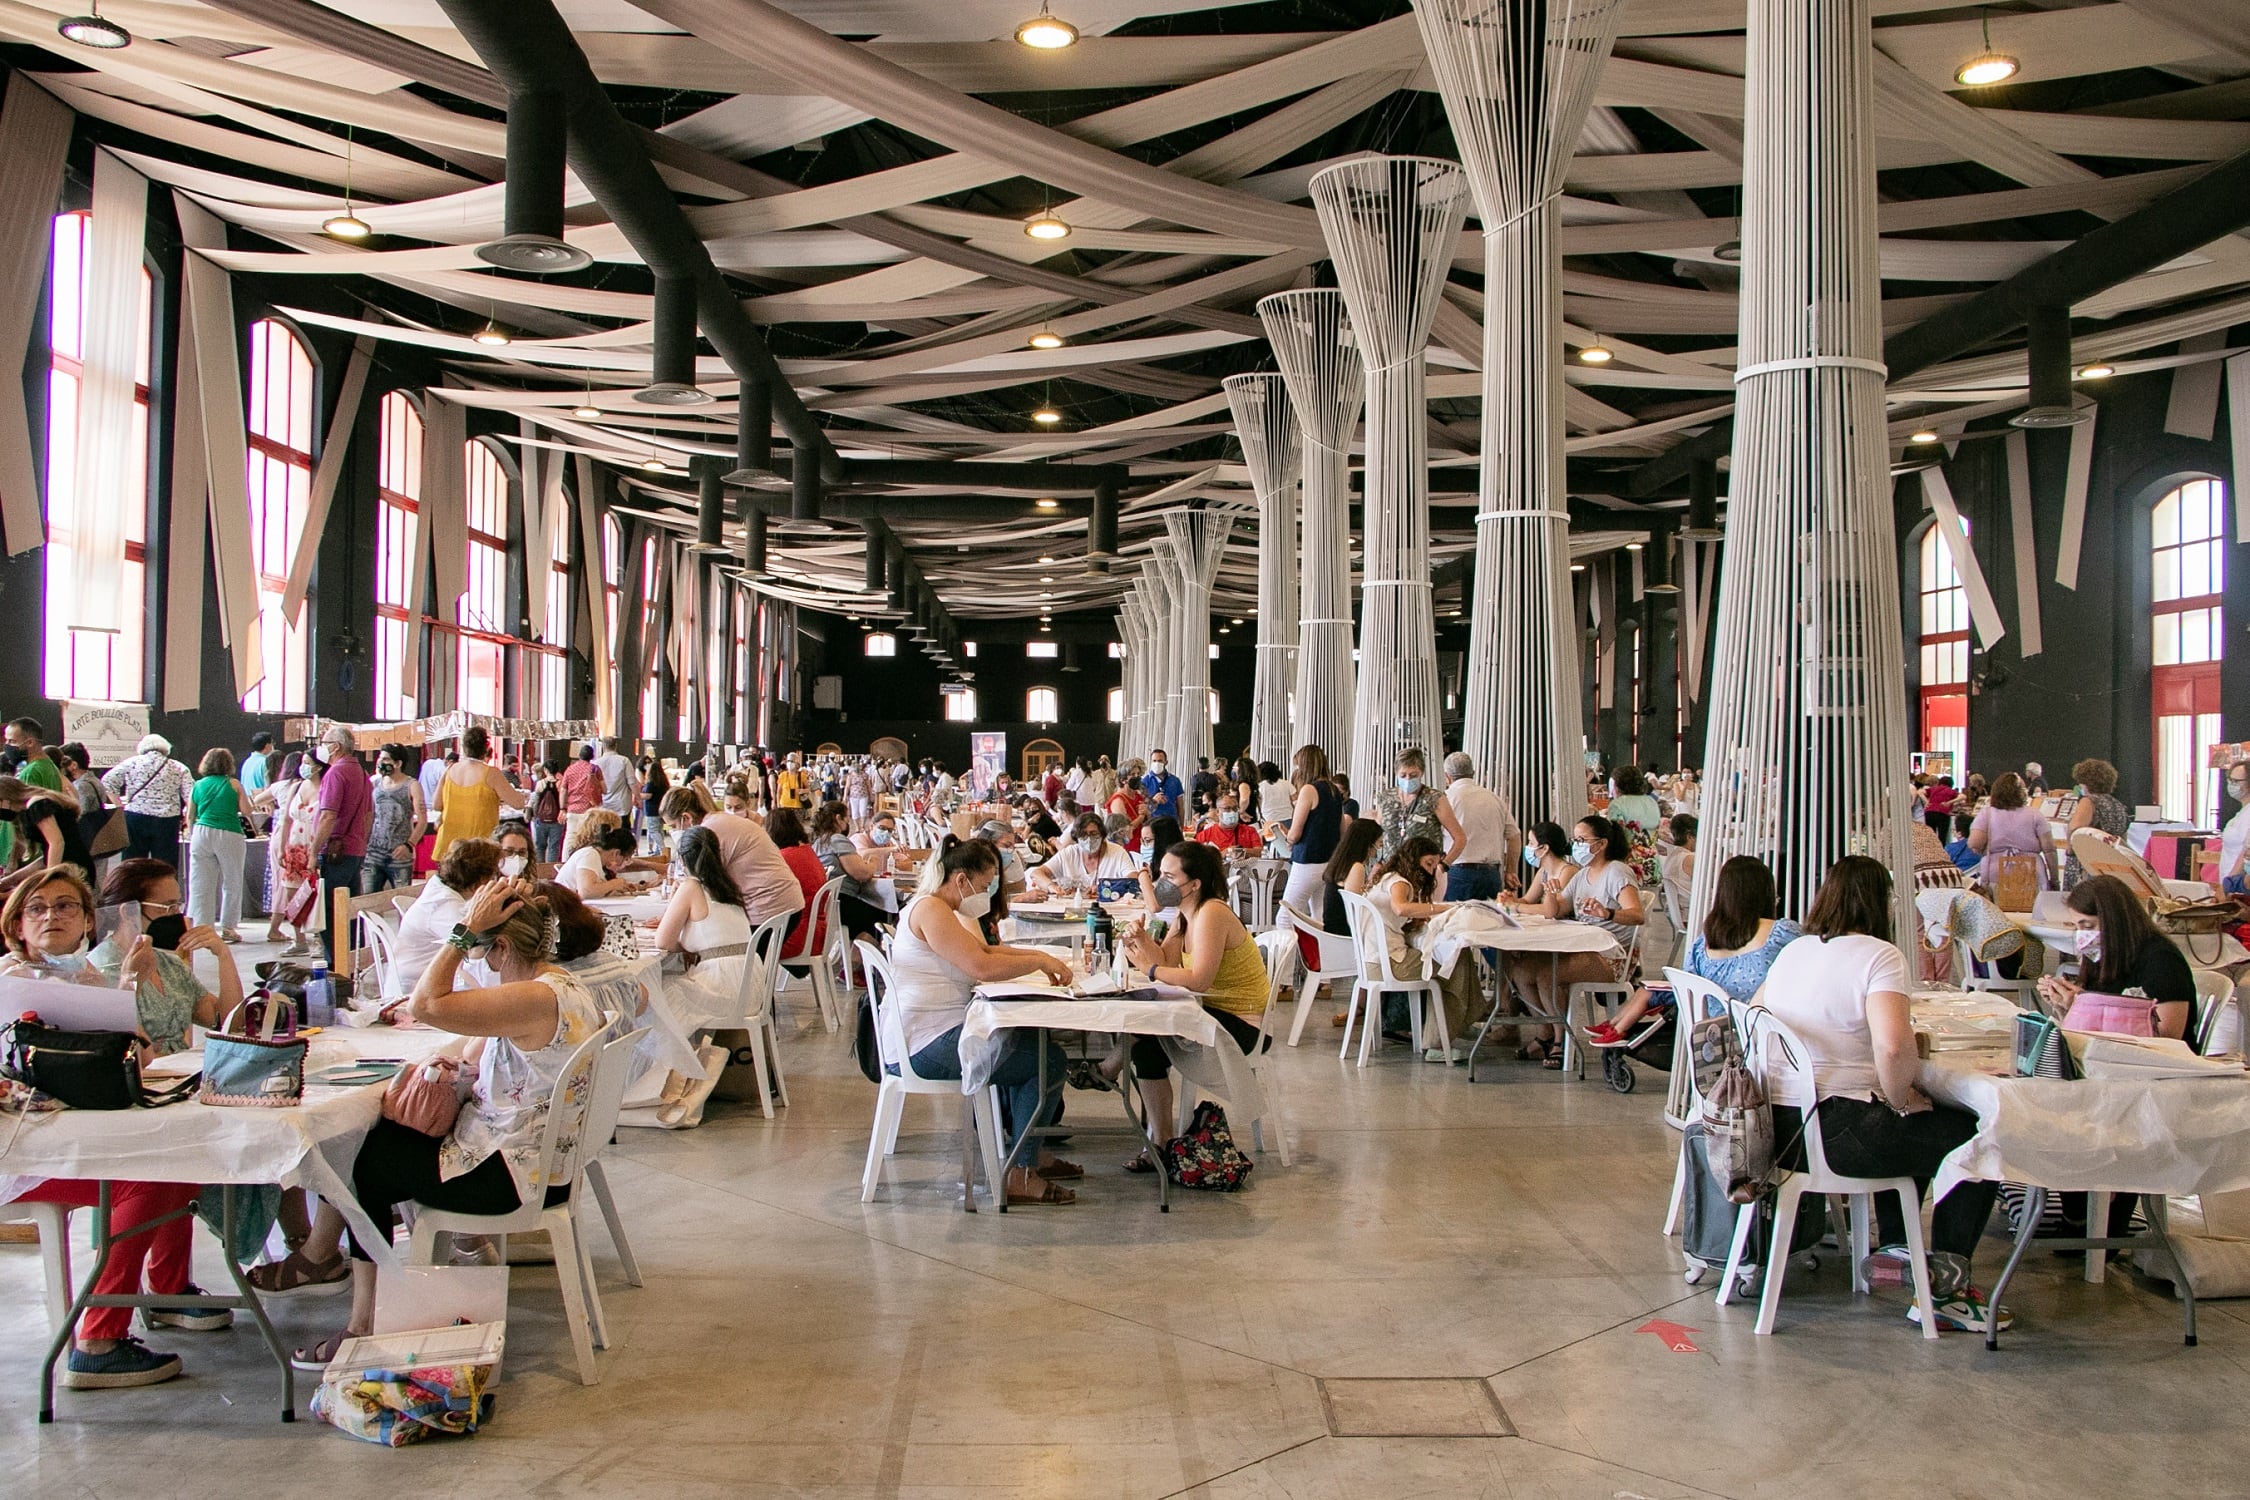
[[507, 1112]]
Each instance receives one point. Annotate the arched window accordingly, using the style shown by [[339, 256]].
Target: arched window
[[398, 491], [90, 664], [960, 704], [554, 657], [484, 603], [2188, 557], [1945, 653], [1042, 706], [280, 475], [743, 685]]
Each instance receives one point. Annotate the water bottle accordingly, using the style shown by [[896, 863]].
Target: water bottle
[[1100, 927], [320, 996]]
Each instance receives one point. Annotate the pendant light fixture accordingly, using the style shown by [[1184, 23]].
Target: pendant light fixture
[[1045, 33], [346, 225], [1046, 415], [1045, 338], [491, 335], [2096, 372], [96, 30], [1922, 435], [586, 410], [532, 214], [1595, 354], [673, 366], [1046, 227], [1987, 67]]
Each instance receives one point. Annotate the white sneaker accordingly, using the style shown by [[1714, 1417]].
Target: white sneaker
[[1966, 1313]]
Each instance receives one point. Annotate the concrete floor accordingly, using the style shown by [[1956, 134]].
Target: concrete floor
[[1442, 1259]]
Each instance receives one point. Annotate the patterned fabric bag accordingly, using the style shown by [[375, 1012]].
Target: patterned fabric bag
[[1206, 1155], [397, 1407]]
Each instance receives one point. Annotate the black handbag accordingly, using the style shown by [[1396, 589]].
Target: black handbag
[[85, 1069]]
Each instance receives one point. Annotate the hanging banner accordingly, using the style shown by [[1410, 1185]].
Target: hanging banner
[[988, 760], [111, 732]]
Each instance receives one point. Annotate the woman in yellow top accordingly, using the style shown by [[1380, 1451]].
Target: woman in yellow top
[[1210, 952], [471, 794]]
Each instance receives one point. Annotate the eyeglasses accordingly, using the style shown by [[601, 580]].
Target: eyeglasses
[[38, 909]]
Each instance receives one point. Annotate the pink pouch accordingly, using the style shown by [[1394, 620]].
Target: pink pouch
[[2120, 1015]]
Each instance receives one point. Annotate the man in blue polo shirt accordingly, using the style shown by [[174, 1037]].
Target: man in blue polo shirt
[[1161, 787]]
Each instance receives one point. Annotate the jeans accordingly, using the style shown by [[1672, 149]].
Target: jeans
[[163, 1251], [1016, 1076], [1867, 1138], [152, 838], [1472, 882], [397, 1164], [382, 872], [215, 876], [547, 842], [338, 872]]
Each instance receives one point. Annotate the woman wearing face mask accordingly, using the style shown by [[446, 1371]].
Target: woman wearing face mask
[[1316, 822], [1207, 951], [437, 909], [162, 960], [859, 903], [45, 923], [296, 868], [1079, 867], [1411, 809], [1600, 892], [939, 956], [397, 824], [533, 1021], [2121, 952], [518, 857], [1546, 857], [2234, 842], [2098, 807], [596, 855]]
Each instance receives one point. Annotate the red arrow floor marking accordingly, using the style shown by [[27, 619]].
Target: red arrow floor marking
[[1675, 1337]]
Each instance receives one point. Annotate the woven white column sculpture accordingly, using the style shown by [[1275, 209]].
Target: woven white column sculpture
[[1517, 78], [1391, 223], [1164, 658], [1806, 756], [1267, 428], [1132, 736], [1198, 539], [1312, 340]]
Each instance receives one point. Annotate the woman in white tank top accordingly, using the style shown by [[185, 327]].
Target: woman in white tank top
[[706, 925]]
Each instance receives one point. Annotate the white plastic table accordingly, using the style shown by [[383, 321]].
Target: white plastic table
[[1449, 936]]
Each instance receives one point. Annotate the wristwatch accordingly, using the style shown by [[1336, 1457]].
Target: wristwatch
[[463, 937]]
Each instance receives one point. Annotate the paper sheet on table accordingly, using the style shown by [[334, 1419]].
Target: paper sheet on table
[[2171, 1135], [1449, 934]]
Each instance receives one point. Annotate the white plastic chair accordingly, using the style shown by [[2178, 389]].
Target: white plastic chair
[[53, 1220], [611, 1075], [1588, 995], [983, 1116], [1336, 962], [1694, 996], [754, 1009], [1278, 949], [1374, 978], [1781, 1063], [562, 1154], [382, 941], [820, 968], [2214, 998]]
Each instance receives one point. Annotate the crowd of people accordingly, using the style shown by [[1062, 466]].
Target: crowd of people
[[497, 944]]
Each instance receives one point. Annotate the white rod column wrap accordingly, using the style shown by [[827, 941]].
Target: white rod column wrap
[[1267, 428], [1806, 757], [1319, 357], [1198, 539], [1391, 223], [1518, 78]]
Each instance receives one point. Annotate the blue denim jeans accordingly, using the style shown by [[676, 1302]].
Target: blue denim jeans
[[1016, 1076], [382, 872], [1472, 882], [547, 842]]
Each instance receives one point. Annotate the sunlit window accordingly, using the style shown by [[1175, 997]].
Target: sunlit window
[[960, 705], [1944, 641], [2188, 578], [1039, 649], [484, 602], [743, 685], [652, 644], [1042, 706], [879, 643], [554, 660], [398, 489], [280, 475], [89, 664], [1116, 705]]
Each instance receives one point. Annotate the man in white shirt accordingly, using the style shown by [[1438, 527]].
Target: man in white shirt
[[2235, 841], [617, 780], [1478, 862]]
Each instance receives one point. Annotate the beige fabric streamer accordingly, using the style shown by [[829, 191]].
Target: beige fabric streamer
[[208, 313], [328, 474], [34, 140]]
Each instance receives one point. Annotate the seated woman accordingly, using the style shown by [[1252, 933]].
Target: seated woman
[[519, 859], [437, 909], [881, 834], [1350, 868], [939, 955], [595, 856], [1842, 988], [1081, 865], [1405, 892], [705, 920], [1208, 951], [2010, 826], [1228, 832], [786, 827], [2120, 952], [1742, 936], [46, 923], [1546, 853], [1679, 867], [859, 904], [533, 1020], [1601, 892]]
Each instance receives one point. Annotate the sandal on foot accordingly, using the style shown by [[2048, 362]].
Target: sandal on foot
[[1552, 1062], [1059, 1170], [317, 1355], [1048, 1193], [294, 1274], [1141, 1166]]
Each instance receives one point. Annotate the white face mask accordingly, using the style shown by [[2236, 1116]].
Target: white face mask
[[878, 836], [1229, 818], [324, 754], [977, 903], [2089, 941], [1158, 767], [513, 865], [1409, 785], [1092, 843], [1581, 853]]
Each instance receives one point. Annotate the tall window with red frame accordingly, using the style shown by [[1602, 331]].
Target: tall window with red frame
[[280, 475], [1945, 653], [554, 658], [398, 490], [652, 644], [81, 664], [484, 603], [2188, 557], [743, 686]]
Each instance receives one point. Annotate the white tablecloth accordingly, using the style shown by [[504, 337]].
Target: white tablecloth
[[1198, 1046], [642, 908], [311, 1145], [2165, 1135], [1451, 933]]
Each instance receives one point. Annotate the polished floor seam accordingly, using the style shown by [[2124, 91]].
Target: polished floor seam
[[1266, 1458]]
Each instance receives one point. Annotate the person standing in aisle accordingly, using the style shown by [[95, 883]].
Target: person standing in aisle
[[347, 812], [1489, 842], [398, 820], [153, 789], [216, 846], [1161, 787], [256, 766], [618, 782]]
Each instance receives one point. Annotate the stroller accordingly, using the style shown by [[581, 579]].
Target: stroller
[[1650, 1042]]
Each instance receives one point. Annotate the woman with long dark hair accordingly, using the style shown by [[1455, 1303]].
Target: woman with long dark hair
[[1743, 933], [1843, 988], [1406, 892], [2120, 952]]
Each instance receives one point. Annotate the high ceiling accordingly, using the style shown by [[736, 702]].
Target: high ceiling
[[867, 199]]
